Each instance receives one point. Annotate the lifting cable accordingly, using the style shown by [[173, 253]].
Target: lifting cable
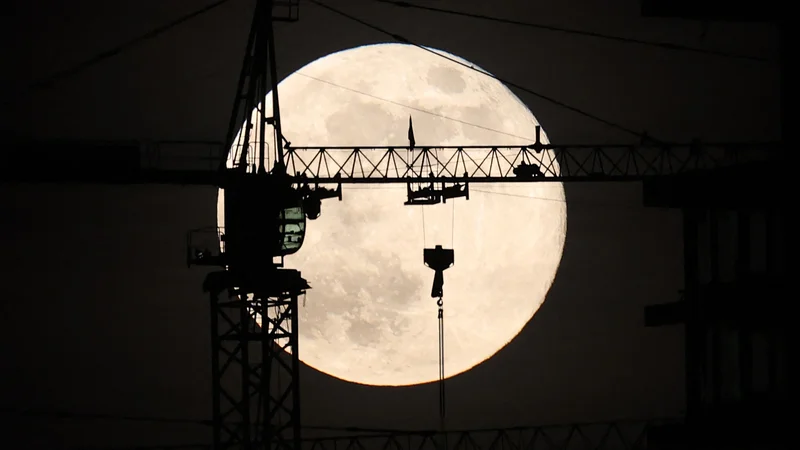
[[440, 304], [424, 238], [453, 226], [440, 315], [440, 318]]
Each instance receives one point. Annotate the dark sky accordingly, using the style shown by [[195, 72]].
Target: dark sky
[[101, 315]]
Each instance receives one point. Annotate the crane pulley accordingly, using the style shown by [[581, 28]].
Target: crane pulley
[[312, 197], [439, 259]]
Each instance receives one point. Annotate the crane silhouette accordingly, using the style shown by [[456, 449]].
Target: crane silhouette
[[253, 296]]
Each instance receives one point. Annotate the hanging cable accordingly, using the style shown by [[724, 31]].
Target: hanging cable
[[453, 226], [661, 45], [124, 46], [440, 304], [402, 39], [424, 239]]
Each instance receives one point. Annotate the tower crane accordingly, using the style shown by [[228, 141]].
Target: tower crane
[[267, 208]]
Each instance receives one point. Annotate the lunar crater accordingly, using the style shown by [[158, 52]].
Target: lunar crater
[[364, 332], [362, 122], [446, 79]]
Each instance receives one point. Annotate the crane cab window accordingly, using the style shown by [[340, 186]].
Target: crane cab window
[[292, 227]]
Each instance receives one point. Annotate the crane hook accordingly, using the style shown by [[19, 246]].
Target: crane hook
[[439, 259]]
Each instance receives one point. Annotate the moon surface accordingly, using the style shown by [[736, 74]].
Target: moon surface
[[369, 317]]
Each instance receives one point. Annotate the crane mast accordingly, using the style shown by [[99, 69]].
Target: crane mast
[[253, 298]]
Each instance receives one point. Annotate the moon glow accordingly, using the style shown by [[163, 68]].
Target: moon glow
[[369, 317]]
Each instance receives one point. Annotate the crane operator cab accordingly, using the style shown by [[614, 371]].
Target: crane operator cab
[[264, 218], [291, 228], [266, 213]]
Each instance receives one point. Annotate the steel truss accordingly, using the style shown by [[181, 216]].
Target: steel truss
[[485, 164], [256, 398], [193, 164], [622, 435]]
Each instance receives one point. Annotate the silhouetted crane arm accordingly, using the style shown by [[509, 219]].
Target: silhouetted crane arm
[[530, 163], [195, 163], [111, 162]]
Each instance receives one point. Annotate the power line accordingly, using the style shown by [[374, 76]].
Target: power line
[[153, 447], [425, 111], [402, 39], [63, 414], [575, 202], [657, 44], [531, 197], [124, 46]]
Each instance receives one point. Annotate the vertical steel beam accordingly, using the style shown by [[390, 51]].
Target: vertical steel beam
[[216, 416], [694, 341], [716, 333], [256, 402], [743, 262]]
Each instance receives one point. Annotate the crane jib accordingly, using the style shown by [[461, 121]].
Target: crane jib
[[197, 162]]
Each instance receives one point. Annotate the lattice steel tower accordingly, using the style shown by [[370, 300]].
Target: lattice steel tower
[[254, 299]]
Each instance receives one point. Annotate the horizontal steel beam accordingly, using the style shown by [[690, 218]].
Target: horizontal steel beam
[[621, 435], [195, 163], [532, 163]]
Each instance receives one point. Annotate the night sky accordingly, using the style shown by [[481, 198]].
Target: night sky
[[101, 315]]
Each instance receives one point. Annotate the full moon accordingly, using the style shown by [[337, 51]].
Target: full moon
[[369, 317]]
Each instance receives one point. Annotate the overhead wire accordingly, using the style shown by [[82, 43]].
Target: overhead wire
[[425, 431], [414, 108], [65, 414], [656, 44], [153, 447], [124, 46], [549, 99], [523, 196]]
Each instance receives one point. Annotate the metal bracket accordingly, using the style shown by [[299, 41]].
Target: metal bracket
[[431, 195], [312, 197]]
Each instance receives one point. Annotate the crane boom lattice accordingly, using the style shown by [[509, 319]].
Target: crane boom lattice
[[194, 163], [526, 163]]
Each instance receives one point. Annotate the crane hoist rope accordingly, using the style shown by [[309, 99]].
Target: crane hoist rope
[[436, 258], [424, 237], [440, 304], [453, 225], [439, 259]]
